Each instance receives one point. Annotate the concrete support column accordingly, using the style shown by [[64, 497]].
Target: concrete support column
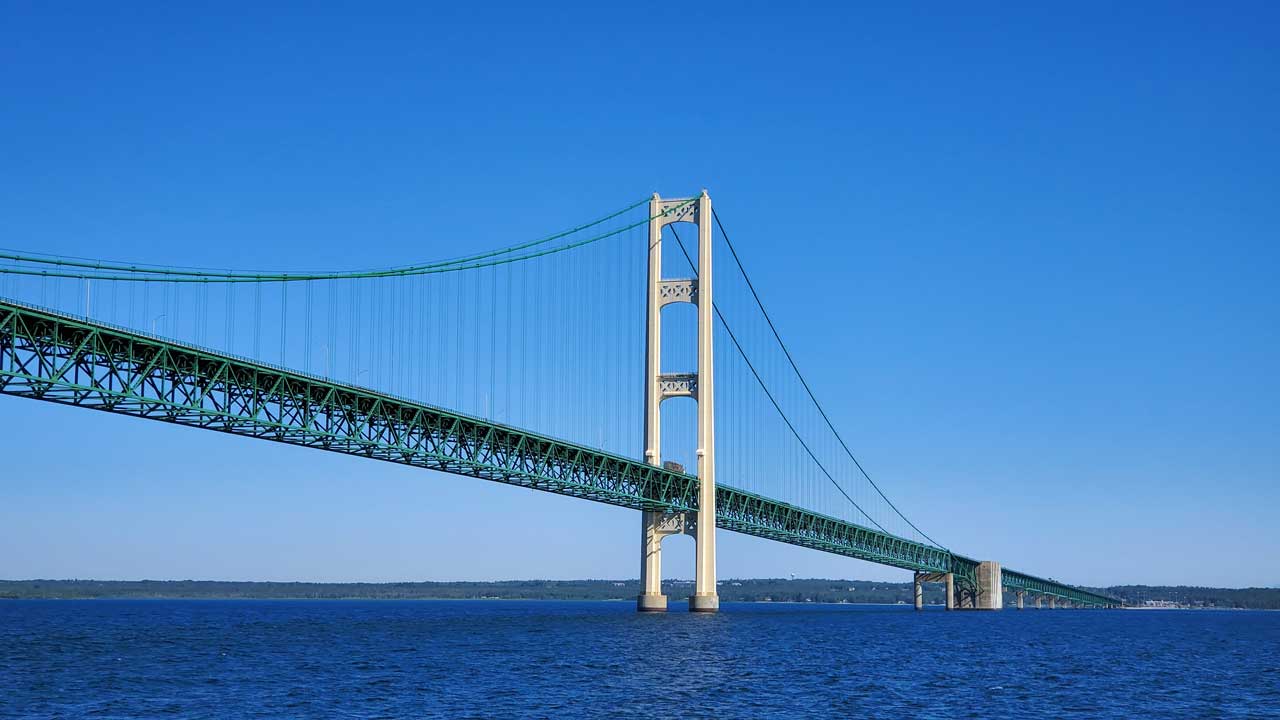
[[1020, 594], [1053, 602], [1039, 600], [951, 591], [990, 593], [919, 583], [651, 598], [705, 597]]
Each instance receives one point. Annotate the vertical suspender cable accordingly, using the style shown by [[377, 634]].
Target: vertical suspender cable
[[804, 383], [771, 397]]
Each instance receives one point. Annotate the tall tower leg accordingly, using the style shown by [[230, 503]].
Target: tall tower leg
[[705, 598], [651, 598], [700, 386]]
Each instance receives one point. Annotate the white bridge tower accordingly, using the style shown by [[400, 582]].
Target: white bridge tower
[[701, 387]]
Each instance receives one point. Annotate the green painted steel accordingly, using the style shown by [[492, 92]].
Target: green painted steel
[[59, 358], [1021, 582], [104, 270]]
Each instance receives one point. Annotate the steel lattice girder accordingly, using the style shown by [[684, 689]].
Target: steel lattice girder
[[58, 358], [1021, 582]]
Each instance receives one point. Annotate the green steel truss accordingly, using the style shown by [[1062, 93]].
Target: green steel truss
[[1014, 581], [58, 358]]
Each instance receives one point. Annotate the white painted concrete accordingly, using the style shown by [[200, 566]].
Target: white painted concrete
[[656, 526], [705, 598], [990, 587]]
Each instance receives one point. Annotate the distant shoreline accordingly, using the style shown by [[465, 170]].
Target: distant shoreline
[[765, 590], [930, 606], [626, 600]]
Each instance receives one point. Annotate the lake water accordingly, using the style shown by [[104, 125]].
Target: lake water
[[392, 659]]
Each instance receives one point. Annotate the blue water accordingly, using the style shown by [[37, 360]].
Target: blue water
[[391, 659]]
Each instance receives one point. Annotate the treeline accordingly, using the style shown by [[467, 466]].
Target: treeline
[[775, 590], [1244, 598], [760, 590]]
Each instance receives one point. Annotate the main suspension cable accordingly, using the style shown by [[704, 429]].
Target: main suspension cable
[[725, 324], [805, 383], [138, 273]]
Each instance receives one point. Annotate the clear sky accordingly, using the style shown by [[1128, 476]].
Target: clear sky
[[1028, 257]]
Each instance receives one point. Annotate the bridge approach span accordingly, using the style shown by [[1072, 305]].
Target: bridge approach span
[[59, 358]]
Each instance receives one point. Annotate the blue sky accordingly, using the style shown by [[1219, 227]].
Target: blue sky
[[1028, 258]]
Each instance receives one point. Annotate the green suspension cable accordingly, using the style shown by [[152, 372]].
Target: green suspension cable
[[776, 406], [134, 273], [44, 259], [803, 382]]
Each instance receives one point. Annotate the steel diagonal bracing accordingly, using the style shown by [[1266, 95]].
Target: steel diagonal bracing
[[1021, 582], [61, 359]]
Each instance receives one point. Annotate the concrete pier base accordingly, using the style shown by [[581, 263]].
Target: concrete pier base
[[651, 603], [1039, 600], [1053, 602], [654, 526], [926, 577], [1020, 595], [990, 594], [704, 603], [951, 591]]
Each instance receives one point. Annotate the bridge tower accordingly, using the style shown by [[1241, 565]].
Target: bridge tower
[[700, 386]]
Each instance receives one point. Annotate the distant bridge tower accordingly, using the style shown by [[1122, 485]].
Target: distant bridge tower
[[700, 386]]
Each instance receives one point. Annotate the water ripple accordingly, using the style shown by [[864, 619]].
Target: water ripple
[[391, 659]]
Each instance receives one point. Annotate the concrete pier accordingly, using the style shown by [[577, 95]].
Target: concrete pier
[[704, 603], [990, 595], [951, 591], [923, 577], [1039, 600], [1020, 595], [651, 602], [651, 598]]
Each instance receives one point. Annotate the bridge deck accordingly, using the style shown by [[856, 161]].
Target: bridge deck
[[59, 358]]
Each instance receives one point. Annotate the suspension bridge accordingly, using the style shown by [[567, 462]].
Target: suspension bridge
[[571, 364]]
